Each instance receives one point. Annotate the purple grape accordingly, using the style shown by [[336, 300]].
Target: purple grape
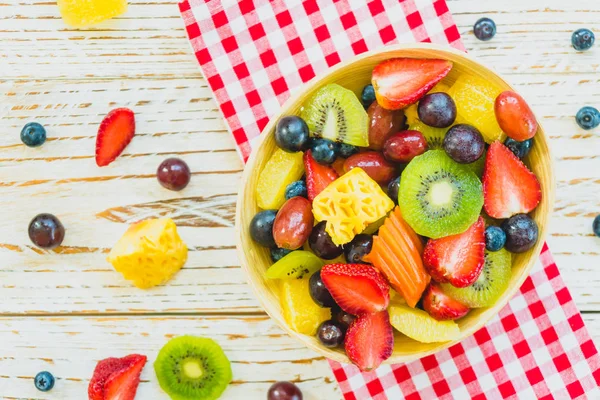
[[359, 247], [173, 174], [321, 243], [437, 110], [331, 333], [46, 231], [319, 292], [284, 391], [464, 144]]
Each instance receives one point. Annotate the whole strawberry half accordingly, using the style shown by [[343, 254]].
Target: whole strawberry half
[[370, 340], [115, 133], [116, 378], [509, 187], [457, 259], [441, 306], [318, 176], [356, 288], [400, 82]]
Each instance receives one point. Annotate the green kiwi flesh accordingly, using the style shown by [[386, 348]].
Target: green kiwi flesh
[[335, 113], [439, 197], [297, 264], [192, 368], [490, 285]]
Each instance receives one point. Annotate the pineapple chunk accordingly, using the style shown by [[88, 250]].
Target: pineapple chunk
[[301, 313], [149, 253], [349, 204], [82, 13], [282, 169]]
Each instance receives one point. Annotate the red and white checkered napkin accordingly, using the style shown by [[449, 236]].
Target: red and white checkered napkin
[[254, 54]]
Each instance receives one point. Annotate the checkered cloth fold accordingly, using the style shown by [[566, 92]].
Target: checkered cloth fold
[[254, 54]]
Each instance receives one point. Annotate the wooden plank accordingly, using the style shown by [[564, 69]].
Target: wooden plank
[[260, 353]]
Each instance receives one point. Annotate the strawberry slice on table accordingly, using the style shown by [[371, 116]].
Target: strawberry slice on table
[[115, 133], [400, 82], [509, 187], [457, 259], [441, 306], [356, 288], [116, 378], [370, 340], [318, 176]]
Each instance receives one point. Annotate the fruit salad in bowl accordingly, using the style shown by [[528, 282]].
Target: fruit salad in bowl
[[394, 205]]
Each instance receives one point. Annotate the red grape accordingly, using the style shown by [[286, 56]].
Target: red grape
[[402, 147], [284, 391], [173, 174], [46, 231]]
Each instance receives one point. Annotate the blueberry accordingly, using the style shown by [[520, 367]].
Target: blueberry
[[484, 29], [292, 134], [44, 381], [367, 96], [520, 149], [521, 233], [393, 188], [588, 118], [494, 238], [294, 189], [278, 253], [261, 228], [582, 39], [323, 151], [33, 134], [346, 150], [596, 225]]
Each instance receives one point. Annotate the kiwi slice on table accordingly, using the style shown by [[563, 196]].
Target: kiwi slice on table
[[335, 113], [297, 264], [439, 197], [191, 368], [490, 285]]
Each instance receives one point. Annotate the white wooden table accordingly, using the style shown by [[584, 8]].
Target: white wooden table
[[63, 311]]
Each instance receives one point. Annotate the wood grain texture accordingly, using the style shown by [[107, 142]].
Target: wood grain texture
[[260, 354], [69, 79]]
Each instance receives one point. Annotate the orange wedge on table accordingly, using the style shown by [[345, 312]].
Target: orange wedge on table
[[396, 253]]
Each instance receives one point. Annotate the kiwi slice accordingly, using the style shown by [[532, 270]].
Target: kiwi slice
[[335, 113], [490, 285], [297, 264], [191, 368], [439, 197]]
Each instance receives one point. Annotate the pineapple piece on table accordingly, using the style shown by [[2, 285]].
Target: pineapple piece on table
[[82, 13], [149, 253]]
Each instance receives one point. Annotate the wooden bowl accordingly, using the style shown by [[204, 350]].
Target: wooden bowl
[[354, 75]]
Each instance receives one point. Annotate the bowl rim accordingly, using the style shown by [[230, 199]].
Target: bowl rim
[[486, 315]]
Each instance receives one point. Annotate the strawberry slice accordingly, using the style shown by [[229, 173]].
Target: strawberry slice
[[356, 288], [370, 340], [115, 133], [318, 176], [116, 378], [457, 259], [509, 187], [400, 82], [441, 306]]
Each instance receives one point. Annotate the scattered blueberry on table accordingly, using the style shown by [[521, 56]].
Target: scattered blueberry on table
[[582, 39], [33, 134], [484, 29], [367, 96], [44, 381], [296, 188], [495, 238], [588, 117], [520, 149], [291, 134], [596, 225]]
